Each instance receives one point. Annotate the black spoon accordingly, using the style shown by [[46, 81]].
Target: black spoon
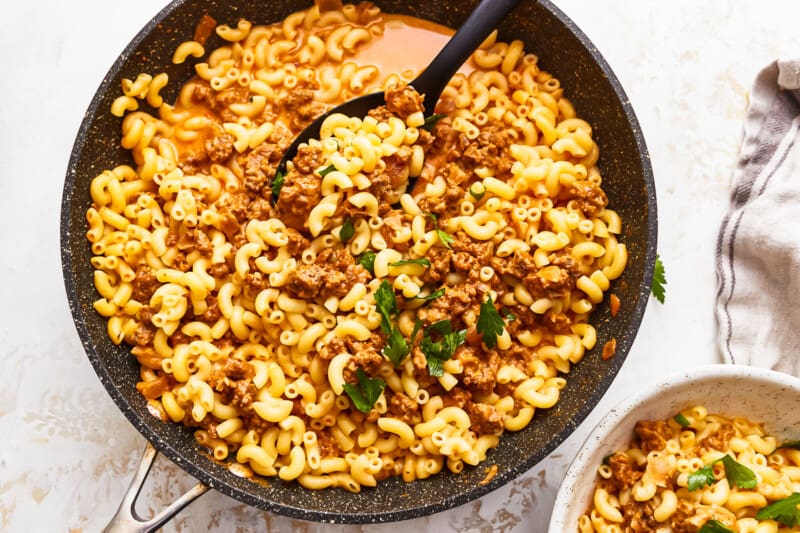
[[481, 22]]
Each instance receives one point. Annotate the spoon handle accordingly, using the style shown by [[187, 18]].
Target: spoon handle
[[481, 22]]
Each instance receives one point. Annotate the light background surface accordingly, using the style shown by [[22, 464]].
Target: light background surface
[[68, 454]]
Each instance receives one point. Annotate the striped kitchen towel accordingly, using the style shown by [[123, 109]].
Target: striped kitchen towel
[[758, 250]]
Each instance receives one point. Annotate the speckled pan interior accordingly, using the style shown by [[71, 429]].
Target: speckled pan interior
[[597, 95]]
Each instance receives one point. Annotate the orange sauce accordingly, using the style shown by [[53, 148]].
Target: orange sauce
[[407, 46]]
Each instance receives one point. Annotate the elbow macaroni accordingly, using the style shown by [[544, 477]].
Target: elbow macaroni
[[216, 288], [657, 479]]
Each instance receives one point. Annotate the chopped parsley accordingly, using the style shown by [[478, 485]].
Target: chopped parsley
[[714, 526], [508, 314], [795, 444], [387, 305], [422, 261], [681, 420], [431, 120], [367, 260], [366, 393], [490, 323], [277, 184], [444, 237], [784, 511], [326, 170], [396, 348], [432, 296], [701, 477], [737, 474], [657, 287], [438, 351], [347, 231]]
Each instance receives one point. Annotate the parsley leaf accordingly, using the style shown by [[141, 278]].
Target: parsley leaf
[[444, 237], [714, 526], [277, 183], [366, 393], [367, 260], [387, 305], [415, 331], [738, 474], [701, 477], [490, 323], [347, 231], [659, 280], [437, 352], [432, 296], [326, 170], [795, 444], [422, 261], [443, 327], [681, 420], [784, 511], [430, 121], [396, 347]]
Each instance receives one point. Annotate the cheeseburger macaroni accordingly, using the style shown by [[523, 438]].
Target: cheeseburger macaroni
[[414, 285], [698, 471]]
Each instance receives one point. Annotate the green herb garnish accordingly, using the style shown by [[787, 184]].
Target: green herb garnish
[[367, 260], [386, 303], [366, 393], [784, 511], [437, 352], [444, 237], [347, 231], [701, 477], [736, 473], [490, 323], [657, 287], [794, 444], [681, 420], [431, 120], [326, 170], [432, 296], [277, 184], [714, 526], [508, 314], [396, 347], [422, 261]]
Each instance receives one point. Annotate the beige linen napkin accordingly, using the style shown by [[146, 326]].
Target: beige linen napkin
[[758, 250]]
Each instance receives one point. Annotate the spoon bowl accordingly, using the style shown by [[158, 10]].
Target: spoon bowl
[[430, 83]]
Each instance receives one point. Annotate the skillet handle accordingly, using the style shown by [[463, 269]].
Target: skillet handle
[[127, 520]]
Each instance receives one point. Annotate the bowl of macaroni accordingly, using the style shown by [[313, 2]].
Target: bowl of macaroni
[[714, 447], [420, 305]]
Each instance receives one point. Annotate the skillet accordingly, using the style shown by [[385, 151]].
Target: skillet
[[598, 97]]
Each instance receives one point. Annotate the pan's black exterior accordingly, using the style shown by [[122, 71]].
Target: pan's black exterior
[[597, 95]]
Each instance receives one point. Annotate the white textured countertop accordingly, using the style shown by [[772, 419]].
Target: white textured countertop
[[69, 454]]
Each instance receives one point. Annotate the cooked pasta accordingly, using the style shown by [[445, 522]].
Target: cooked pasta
[[335, 325], [697, 471]]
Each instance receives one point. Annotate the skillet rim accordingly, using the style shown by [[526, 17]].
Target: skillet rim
[[180, 455]]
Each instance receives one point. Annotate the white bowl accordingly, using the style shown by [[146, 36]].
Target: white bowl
[[758, 394]]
